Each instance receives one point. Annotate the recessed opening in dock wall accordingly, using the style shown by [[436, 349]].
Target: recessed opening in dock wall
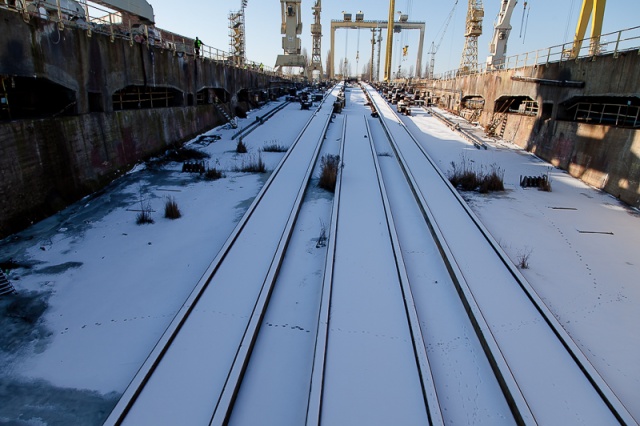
[[30, 97], [522, 105], [209, 95], [243, 95], [473, 102], [141, 97], [221, 95], [618, 111]]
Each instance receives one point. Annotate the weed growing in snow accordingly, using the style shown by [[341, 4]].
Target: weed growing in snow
[[144, 215], [254, 164], [171, 210], [465, 177], [523, 258], [241, 148], [322, 239], [274, 146], [329, 172]]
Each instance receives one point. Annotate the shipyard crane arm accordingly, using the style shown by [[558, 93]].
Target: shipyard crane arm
[[501, 30], [434, 47], [291, 29]]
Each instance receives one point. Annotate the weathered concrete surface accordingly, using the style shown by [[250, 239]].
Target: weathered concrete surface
[[605, 157], [47, 163]]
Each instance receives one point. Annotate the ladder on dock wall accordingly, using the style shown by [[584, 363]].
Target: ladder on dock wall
[[499, 121], [4, 100], [5, 285], [225, 114], [498, 125]]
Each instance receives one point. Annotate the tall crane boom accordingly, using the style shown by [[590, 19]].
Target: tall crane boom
[[501, 30], [434, 47]]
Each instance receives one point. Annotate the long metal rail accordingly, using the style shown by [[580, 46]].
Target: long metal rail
[[508, 361], [200, 359], [259, 121], [405, 324]]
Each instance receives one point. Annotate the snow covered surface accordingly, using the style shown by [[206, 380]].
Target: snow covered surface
[[580, 243], [110, 287]]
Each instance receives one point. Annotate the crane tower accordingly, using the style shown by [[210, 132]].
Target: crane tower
[[316, 36], [237, 34], [473, 30]]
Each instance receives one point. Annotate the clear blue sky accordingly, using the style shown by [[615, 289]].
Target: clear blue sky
[[549, 23]]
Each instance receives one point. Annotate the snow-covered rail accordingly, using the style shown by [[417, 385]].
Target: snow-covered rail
[[193, 374], [543, 374], [367, 318]]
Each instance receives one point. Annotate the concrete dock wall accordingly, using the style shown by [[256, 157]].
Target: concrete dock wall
[[603, 156], [52, 160]]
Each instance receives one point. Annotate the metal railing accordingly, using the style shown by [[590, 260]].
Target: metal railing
[[611, 43], [612, 114], [94, 19]]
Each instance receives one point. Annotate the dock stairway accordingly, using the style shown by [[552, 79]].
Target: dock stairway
[[225, 115], [498, 125], [5, 112], [5, 285], [499, 121]]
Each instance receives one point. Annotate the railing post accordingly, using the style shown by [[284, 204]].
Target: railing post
[[113, 35], [615, 50], [87, 19], [60, 23]]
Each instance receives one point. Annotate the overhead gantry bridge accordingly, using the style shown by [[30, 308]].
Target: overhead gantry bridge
[[397, 27]]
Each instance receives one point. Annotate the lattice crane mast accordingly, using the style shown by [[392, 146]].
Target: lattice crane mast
[[434, 47], [473, 30], [316, 41], [237, 34], [501, 30]]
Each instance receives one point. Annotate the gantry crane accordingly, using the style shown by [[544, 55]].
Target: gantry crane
[[501, 30], [473, 30], [589, 7], [434, 47], [316, 40]]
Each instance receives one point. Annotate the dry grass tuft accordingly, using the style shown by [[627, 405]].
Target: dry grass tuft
[[213, 174], [254, 165], [329, 172], [241, 148], [171, 210]]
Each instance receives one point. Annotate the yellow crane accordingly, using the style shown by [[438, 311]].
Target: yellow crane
[[473, 30], [589, 8], [389, 50]]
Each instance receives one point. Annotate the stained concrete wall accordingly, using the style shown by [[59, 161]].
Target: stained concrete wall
[[606, 157], [47, 163]]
